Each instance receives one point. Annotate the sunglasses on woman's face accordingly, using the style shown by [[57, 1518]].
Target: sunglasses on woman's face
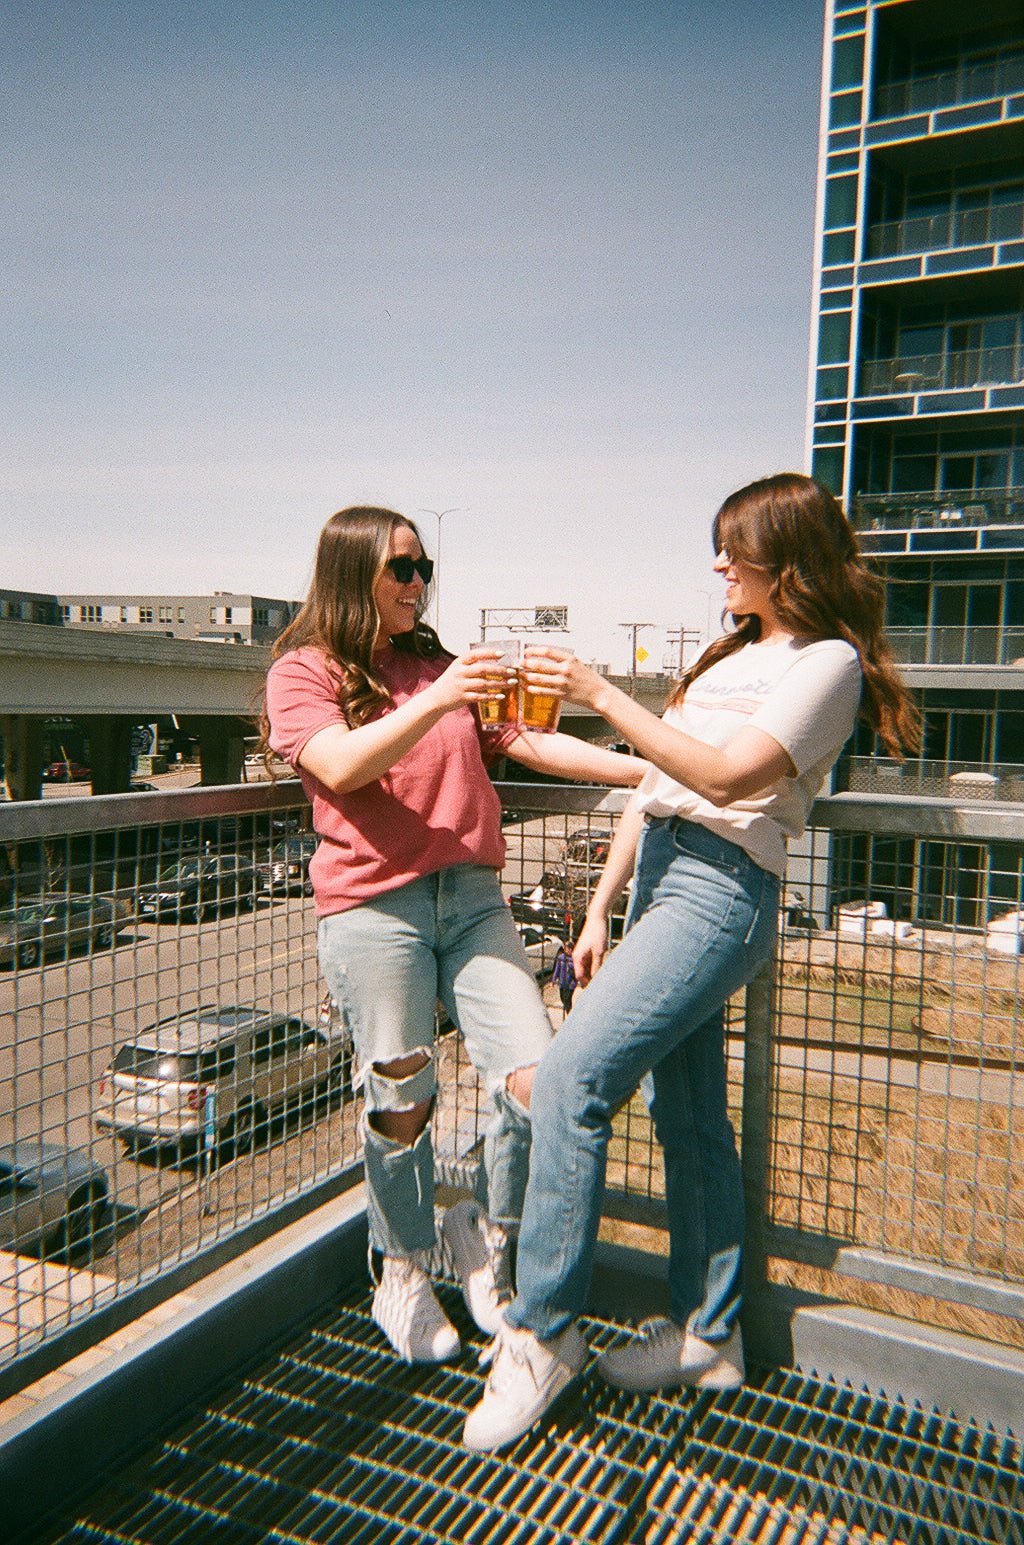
[[403, 568]]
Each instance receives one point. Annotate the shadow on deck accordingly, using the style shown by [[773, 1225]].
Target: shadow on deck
[[318, 1434]]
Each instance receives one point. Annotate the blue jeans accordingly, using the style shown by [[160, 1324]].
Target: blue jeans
[[448, 935], [701, 924]]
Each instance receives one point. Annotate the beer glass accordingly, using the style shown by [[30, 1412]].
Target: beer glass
[[540, 710], [503, 707]]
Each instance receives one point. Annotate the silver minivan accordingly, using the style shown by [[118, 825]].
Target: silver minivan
[[218, 1076]]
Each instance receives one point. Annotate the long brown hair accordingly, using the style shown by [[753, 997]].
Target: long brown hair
[[794, 529], [340, 617]]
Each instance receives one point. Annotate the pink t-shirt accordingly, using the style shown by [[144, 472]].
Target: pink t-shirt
[[435, 807]]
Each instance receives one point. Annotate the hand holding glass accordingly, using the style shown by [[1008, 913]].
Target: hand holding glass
[[539, 710], [503, 707]]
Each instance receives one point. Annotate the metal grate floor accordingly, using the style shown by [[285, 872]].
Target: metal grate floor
[[330, 1439]]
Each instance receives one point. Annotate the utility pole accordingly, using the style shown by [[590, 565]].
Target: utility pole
[[633, 628], [683, 637]]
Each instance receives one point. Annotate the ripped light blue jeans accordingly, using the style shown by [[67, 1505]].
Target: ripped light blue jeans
[[447, 936], [701, 924]]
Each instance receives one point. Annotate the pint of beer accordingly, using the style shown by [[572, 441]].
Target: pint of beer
[[503, 707], [539, 710]]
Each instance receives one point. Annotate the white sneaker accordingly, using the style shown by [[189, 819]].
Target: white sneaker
[[527, 1376], [479, 1254], [665, 1355], [407, 1311]]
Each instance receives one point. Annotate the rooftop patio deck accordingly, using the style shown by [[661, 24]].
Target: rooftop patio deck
[[326, 1438], [876, 1085]]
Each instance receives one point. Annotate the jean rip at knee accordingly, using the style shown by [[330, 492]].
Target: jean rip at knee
[[386, 1092]]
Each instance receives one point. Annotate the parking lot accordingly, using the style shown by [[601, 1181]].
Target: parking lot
[[63, 1021]]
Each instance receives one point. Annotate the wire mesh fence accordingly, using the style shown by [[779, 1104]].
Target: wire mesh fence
[[898, 1099], [172, 1069]]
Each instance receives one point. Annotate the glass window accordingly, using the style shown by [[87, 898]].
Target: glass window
[[845, 110], [834, 337], [827, 465], [837, 249], [906, 605], [831, 383], [840, 202], [847, 62]]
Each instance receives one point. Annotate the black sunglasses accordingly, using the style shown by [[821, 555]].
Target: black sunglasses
[[403, 568]]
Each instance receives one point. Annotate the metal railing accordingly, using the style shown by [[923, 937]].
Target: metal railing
[[968, 82], [948, 228], [936, 779], [969, 644], [877, 1080], [169, 1073], [944, 371], [877, 1084], [943, 508]]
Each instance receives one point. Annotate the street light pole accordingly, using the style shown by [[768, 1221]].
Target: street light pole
[[707, 596], [439, 515]]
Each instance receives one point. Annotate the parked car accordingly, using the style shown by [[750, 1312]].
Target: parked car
[[287, 868], [558, 902], [200, 886], [228, 1070], [67, 771], [53, 1200], [541, 948], [586, 850], [58, 924], [552, 905]]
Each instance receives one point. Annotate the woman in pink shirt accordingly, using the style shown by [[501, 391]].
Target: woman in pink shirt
[[379, 721]]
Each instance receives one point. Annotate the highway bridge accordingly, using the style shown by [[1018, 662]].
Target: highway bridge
[[110, 682]]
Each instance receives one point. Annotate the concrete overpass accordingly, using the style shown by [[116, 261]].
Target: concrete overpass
[[110, 682]]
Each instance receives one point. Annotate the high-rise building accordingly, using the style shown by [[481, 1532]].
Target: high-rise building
[[916, 413]]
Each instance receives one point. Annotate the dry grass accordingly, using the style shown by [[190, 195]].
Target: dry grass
[[898, 1152]]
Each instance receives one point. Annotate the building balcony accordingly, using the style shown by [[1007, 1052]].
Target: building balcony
[[969, 644], [969, 81], [946, 231], [946, 371], [875, 1079], [950, 509], [931, 779]]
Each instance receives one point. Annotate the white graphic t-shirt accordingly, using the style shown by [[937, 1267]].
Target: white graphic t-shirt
[[805, 696]]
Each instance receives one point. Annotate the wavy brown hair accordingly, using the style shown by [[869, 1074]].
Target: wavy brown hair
[[794, 529], [339, 616]]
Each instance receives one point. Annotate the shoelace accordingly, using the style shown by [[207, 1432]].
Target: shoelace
[[657, 1329], [496, 1245], [503, 1350]]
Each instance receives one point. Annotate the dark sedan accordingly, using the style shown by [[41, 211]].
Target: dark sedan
[[287, 868], [200, 887], [56, 925], [52, 1199]]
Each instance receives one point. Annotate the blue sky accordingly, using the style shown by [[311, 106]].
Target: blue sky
[[547, 265]]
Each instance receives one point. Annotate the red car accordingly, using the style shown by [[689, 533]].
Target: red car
[[67, 771]]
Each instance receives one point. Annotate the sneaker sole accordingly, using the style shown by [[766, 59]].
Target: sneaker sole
[[416, 1362], [552, 1405], [716, 1378]]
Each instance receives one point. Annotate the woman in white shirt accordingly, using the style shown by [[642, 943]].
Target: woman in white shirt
[[747, 741]]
